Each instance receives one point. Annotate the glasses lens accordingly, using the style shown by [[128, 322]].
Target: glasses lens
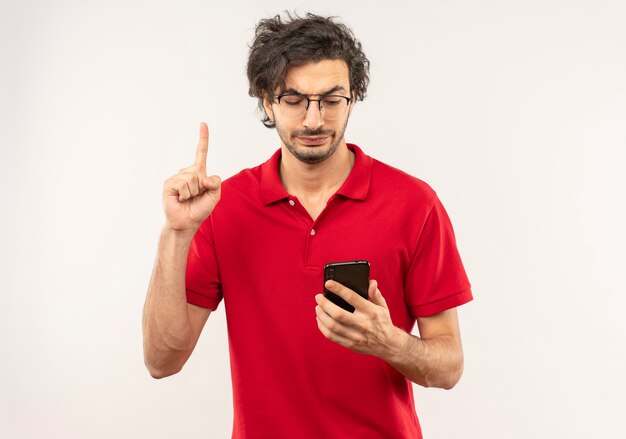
[[292, 105], [333, 106]]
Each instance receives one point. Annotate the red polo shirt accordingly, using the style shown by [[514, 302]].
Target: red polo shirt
[[261, 253]]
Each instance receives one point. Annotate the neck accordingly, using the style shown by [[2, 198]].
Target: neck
[[317, 179]]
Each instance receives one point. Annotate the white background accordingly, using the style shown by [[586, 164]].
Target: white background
[[514, 111]]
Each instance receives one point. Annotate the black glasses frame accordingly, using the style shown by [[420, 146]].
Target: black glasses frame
[[309, 100]]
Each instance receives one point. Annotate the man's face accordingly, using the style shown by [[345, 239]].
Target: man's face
[[311, 138]]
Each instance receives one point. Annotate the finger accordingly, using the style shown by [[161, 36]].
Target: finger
[[353, 333], [375, 295], [193, 183], [195, 168], [330, 323], [195, 176], [334, 337], [203, 145], [179, 188], [346, 294], [336, 312], [212, 183]]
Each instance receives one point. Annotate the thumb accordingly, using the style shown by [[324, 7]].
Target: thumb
[[212, 183], [213, 189], [375, 295]]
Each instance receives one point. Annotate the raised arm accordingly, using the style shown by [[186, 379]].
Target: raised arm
[[171, 326]]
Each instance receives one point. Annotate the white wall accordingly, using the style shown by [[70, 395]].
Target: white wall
[[512, 110]]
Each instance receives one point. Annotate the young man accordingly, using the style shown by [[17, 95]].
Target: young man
[[302, 366]]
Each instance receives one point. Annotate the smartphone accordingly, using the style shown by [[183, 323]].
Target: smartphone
[[352, 274]]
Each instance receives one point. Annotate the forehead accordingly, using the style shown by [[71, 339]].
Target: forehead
[[318, 77]]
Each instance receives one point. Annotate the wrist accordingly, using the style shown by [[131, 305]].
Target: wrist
[[399, 345], [176, 235]]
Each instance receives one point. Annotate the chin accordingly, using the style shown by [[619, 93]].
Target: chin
[[312, 154]]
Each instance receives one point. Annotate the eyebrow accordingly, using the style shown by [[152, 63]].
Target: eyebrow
[[324, 93]]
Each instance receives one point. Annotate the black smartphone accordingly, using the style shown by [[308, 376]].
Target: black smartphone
[[352, 274]]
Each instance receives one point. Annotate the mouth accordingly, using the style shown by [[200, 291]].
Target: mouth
[[312, 140]]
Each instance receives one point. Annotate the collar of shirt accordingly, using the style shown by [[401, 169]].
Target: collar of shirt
[[356, 185]]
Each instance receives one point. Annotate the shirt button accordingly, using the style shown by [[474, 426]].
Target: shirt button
[[293, 203], [312, 232]]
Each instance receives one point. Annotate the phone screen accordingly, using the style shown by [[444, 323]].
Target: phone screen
[[352, 274]]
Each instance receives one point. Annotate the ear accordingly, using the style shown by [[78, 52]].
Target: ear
[[267, 106]]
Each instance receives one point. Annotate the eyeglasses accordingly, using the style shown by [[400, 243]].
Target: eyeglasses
[[295, 105]]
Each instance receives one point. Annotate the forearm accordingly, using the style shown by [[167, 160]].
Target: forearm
[[434, 362], [166, 326]]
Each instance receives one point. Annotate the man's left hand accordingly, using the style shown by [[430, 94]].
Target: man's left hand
[[369, 330]]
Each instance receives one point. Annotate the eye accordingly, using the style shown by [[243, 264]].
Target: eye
[[292, 100], [332, 101]]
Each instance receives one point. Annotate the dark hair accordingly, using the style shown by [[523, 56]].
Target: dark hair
[[283, 42]]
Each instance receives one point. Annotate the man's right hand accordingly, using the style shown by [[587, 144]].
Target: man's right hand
[[190, 196]]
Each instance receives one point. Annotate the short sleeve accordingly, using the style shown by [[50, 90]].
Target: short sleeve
[[436, 279], [202, 280]]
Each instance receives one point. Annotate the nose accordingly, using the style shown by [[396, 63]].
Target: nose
[[313, 117]]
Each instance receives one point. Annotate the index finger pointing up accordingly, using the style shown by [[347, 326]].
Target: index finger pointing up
[[203, 144]]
